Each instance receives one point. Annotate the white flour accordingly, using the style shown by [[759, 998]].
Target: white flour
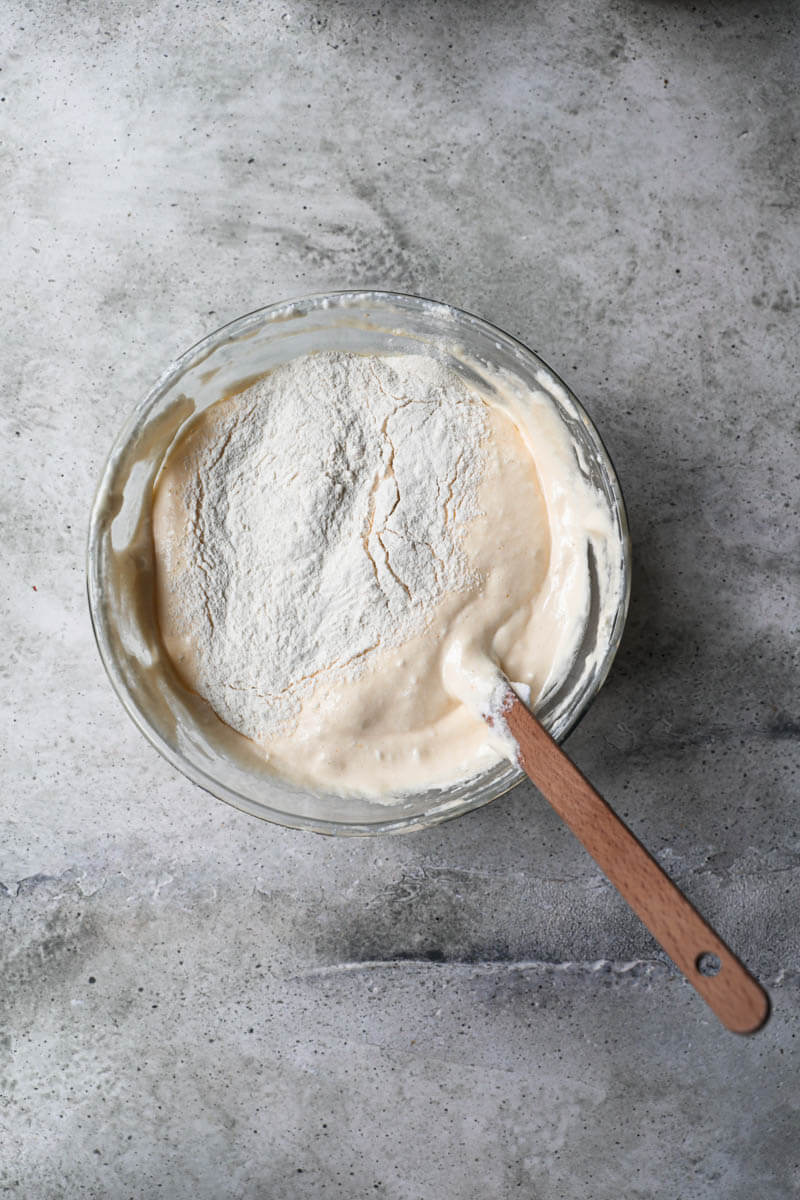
[[326, 523]]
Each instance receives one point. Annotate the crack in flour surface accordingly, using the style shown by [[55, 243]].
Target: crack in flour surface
[[326, 519]]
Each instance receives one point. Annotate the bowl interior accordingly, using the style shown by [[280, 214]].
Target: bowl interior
[[121, 561]]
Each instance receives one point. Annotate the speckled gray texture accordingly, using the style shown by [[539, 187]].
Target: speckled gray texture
[[199, 1005]]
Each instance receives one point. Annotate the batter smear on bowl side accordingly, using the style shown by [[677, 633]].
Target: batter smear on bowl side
[[333, 535]]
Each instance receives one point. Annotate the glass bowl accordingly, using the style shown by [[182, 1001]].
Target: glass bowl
[[121, 563]]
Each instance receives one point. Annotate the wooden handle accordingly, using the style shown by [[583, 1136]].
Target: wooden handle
[[734, 995]]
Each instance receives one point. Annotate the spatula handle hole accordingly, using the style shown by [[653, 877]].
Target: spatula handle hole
[[708, 964]]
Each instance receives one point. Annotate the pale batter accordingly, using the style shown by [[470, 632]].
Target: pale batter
[[341, 605]]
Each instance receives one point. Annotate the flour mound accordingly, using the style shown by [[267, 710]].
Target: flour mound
[[326, 523]]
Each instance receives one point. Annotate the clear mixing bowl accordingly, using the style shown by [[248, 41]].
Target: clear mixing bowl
[[121, 563]]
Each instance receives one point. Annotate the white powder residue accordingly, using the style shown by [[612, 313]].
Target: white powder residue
[[326, 522], [472, 677]]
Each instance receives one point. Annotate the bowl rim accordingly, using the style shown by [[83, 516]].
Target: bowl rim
[[193, 356]]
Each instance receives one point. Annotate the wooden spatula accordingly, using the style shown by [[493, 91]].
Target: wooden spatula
[[724, 983]]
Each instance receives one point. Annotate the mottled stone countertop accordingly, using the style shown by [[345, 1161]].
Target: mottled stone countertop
[[199, 1005]]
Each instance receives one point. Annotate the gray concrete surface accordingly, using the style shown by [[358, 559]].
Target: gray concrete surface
[[199, 1005]]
